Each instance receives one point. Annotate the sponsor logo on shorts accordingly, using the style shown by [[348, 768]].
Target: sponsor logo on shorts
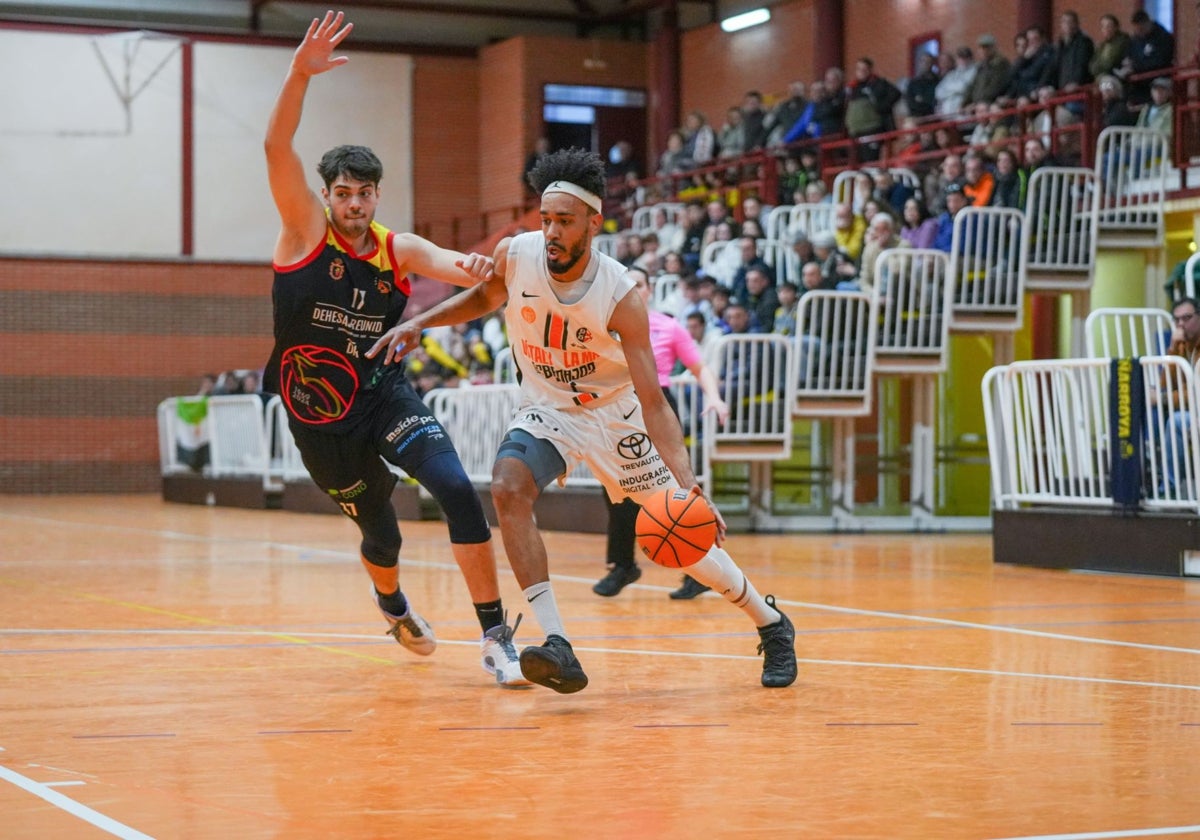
[[634, 446], [407, 423], [354, 490]]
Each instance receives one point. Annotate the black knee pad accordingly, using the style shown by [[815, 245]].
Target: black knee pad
[[380, 536], [444, 478]]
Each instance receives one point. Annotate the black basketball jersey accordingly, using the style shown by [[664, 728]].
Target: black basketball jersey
[[329, 309]]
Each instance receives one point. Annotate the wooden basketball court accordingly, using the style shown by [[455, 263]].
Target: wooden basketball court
[[173, 671]]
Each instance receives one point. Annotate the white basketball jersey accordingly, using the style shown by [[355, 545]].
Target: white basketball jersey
[[564, 353]]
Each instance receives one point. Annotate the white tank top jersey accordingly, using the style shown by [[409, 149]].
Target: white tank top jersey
[[564, 352]]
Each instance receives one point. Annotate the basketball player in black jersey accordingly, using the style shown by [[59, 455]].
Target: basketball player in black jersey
[[341, 281]]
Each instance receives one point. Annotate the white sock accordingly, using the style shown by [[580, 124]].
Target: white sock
[[545, 609], [717, 569]]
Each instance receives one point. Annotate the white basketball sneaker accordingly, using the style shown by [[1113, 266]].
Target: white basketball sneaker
[[499, 655], [410, 630]]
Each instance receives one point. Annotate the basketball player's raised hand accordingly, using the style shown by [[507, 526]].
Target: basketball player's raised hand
[[315, 53]]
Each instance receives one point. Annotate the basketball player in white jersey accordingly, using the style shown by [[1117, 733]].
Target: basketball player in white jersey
[[590, 392]]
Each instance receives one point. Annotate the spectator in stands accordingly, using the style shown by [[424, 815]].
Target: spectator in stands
[[671, 346], [700, 141], [786, 113], [1042, 124], [752, 228], [737, 319], [1113, 49], [251, 382], [1010, 181], [917, 228], [1112, 97], [694, 224], [874, 207], [920, 94], [913, 146], [1037, 155], [870, 99], [881, 236], [620, 161], [630, 248], [720, 303], [801, 247], [760, 299], [835, 265], [815, 192], [752, 211], [754, 119], [830, 113], [1159, 115], [849, 230], [955, 200], [995, 133], [349, 415], [950, 172], [1072, 56], [732, 138], [785, 313], [890, 191], [978, 184], [862, 188], [669, 229], [703, 333], [674, 159], [649, 260], [811, 277], [749, 261], [229, 382], [1185, 343], [1151, 48], [956, 83], [992, 75], [1031, 69]]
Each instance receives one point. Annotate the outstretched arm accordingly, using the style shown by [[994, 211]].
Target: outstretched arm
[[420, 256], [477, 301], [300, 210]]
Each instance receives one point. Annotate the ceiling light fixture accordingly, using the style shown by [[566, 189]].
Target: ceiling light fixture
[[745, 20]]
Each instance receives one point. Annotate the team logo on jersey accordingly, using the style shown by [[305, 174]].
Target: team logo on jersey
[[583, 334], [528, 315], [634, 446], [337, 269], [318, 383], [384, 287]]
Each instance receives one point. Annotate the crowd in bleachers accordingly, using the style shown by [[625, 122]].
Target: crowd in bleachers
[[967, 130]]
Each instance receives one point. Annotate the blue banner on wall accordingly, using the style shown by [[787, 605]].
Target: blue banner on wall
[[1126, 423]]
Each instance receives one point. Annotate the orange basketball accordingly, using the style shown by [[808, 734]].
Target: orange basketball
[[676, 528]]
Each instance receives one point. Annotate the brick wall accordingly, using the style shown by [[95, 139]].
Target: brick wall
[[89, 348]]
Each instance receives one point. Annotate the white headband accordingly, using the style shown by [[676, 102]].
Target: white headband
[[589, 198]]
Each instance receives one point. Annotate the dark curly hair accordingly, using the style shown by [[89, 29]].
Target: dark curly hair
[[579, 166], [357, 162]]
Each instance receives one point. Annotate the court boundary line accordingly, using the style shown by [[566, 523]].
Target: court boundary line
[[300, 640], [70, 806]]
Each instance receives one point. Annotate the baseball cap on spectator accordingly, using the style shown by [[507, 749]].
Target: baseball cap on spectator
[[986, 40], [736, 301], [1161, 82], [953, 188]]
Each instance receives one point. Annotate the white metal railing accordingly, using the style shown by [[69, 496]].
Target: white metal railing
[[753, 373], [913, 297], [1060, 229], [987, 267], [1049, 433], [1117, 333], [1131, 176]]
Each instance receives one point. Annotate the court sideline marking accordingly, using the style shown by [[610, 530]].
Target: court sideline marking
[[75, 809]]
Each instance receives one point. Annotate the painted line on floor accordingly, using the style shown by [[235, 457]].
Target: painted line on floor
[[70, 806], [642, 652], [1106, 835]]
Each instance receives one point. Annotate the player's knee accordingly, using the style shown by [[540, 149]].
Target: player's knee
[[444, 478], [511, 490], [380, 538]]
